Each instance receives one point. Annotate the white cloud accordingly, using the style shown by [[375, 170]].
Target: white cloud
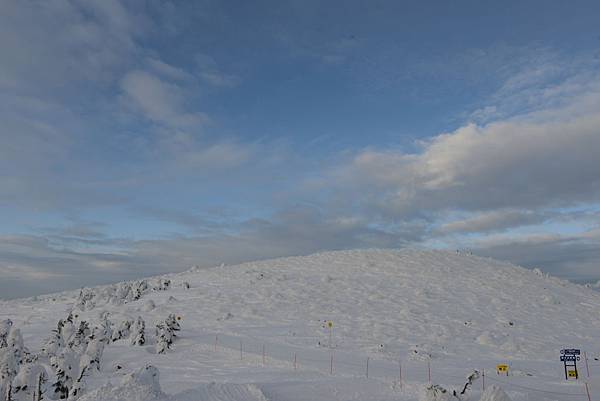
[[543, 159], [159, 101]]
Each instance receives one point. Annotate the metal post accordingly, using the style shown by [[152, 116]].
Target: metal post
[[587, 366], [331, 364], [367, 367]]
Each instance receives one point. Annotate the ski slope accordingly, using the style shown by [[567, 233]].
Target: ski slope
[[259, 331]]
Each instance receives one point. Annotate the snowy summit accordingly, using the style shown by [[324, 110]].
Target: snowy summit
[[346, 325]]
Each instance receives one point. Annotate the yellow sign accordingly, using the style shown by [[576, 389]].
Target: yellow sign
[[330, 324], [572, 373], [502, 368]]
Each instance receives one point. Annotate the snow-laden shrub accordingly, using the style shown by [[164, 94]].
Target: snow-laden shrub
[[436, 392], [141, 385], [138, 336], [185, 285], [162, 284], [494, 393]]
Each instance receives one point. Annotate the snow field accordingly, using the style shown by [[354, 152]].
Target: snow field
[[458, 312]]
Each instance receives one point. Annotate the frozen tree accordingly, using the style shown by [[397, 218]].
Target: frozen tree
[[123, 331], [139, 288], [8, 370], [5, 326], [173, 324], [92, 355], [67, 328], [139, 336], [66, 367], [162, 284], [85, 301], [53, 344], [164, 338], [79, 340], [29, 380], [16, 346]]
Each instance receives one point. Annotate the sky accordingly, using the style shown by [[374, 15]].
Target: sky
[[145, 137]]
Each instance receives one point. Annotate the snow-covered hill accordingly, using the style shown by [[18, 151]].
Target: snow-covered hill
[[449, 312]]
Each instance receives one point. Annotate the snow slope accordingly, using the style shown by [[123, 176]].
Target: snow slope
[[452, 311]]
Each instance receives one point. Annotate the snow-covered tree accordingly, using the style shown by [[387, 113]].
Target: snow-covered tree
[[85, 301], [29, 381], [5, 326], [8, 370], [79, 340], [92, 355], [123, 331], [138, 333], [66, 367], [16, 345], [173, 324], [53, 344], [67, 328], [162, 284], [164, 338]]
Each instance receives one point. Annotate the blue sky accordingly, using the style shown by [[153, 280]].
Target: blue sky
[[141, 137]]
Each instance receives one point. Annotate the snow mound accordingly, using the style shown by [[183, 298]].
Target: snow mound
[[494, 393], [142, 385]]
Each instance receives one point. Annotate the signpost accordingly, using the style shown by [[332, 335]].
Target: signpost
[[569, 357]]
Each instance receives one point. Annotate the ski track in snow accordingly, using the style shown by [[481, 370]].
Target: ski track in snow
[[460, 311]]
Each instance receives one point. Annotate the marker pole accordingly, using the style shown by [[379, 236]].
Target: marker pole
[[400, 369], [587, 366], [331, 365], [587, 390], [429, 370], [483, 379], [367, 367]]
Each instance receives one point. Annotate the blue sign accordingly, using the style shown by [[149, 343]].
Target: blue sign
[[571, 351], [569, 358]]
